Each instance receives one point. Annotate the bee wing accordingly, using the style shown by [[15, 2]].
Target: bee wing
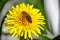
[[29, 18]]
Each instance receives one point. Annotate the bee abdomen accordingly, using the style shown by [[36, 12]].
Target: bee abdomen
[[29, 19]]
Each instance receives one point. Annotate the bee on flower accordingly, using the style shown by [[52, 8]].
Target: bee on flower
[[24, 20]]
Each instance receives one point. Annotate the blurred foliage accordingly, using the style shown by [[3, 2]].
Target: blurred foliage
[[2, 3], [43, 38]]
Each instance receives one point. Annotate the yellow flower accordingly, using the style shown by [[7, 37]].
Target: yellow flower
[[24, 20]]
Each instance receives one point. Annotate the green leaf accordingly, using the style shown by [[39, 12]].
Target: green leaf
[[2, 3], [43, 38]]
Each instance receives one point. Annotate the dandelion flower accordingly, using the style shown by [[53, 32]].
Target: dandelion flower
[[24, 20]]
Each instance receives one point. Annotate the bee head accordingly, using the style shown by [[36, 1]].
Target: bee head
[[24, 13]]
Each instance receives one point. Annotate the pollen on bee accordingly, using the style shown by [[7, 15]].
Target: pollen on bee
[[24, 21]]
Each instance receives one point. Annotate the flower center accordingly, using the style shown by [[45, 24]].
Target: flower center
[[26, 19]]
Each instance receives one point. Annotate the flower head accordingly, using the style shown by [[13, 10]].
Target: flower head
[[24, 20]]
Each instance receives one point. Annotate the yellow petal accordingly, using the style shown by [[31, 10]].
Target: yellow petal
[[41, 27], [25, 35], [37, 30], [29, 34], [22, 33], [34, 33], [14, 34]]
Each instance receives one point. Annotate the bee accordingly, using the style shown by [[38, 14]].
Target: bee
[[28, 18]]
